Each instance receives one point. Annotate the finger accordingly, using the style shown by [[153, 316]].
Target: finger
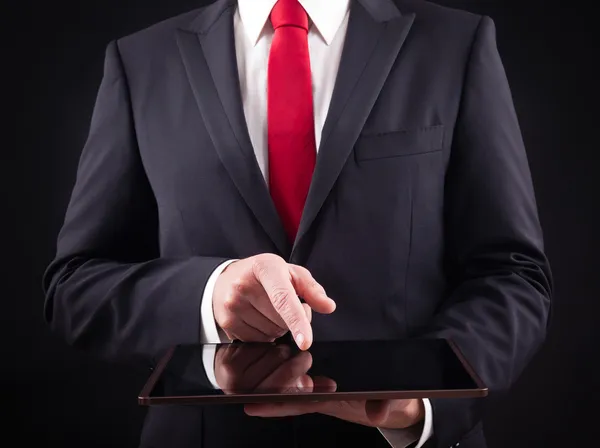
[[281, 409], [254, 318], [303, 384], [274, 275], [245, 333], [322, 384], [287, 372], [268, 311], [310, 290], [263, 304], [307, 311], [377, 411], [229, 336]]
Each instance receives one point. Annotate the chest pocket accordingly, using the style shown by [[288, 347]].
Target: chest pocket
[[399, 143]]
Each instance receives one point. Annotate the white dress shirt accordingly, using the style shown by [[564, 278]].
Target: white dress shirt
[[253, 35]]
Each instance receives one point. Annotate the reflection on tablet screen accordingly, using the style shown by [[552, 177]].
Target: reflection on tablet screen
[[347, 367]]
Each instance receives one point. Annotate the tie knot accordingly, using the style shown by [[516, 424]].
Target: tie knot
[[289, 13]]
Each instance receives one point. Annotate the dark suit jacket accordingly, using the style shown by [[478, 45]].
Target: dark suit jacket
[[420, 221]]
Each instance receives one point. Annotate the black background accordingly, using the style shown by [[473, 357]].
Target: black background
[[52, 64]]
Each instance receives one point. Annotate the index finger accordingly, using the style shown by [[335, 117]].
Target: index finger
[[274, 276]]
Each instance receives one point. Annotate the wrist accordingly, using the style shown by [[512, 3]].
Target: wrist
[[406, 415], [419, 411]]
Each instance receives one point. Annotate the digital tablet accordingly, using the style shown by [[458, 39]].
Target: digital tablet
[[279, 372]]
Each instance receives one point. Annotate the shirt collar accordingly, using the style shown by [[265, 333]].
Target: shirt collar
[[326, 16]]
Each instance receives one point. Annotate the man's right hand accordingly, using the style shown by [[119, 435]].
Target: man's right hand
[[257, 299]]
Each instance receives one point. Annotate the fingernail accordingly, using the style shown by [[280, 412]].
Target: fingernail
[[299, 340]]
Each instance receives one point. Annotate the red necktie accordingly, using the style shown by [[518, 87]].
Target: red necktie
[[291, 128]]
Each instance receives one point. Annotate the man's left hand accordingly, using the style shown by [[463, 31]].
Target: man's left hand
[[378, 413]]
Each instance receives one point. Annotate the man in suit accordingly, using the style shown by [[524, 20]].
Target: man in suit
[[362, 155]]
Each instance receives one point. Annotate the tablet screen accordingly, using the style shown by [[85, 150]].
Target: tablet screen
[[352, 367]]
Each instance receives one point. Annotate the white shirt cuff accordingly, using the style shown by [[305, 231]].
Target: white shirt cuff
[[401, 438], [209, 332]]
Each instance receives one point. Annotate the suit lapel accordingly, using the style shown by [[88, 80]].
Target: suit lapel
[[208, 50], [376, 32]]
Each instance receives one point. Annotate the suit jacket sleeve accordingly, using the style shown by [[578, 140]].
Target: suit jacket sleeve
[[108, 289], [498, 304]]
